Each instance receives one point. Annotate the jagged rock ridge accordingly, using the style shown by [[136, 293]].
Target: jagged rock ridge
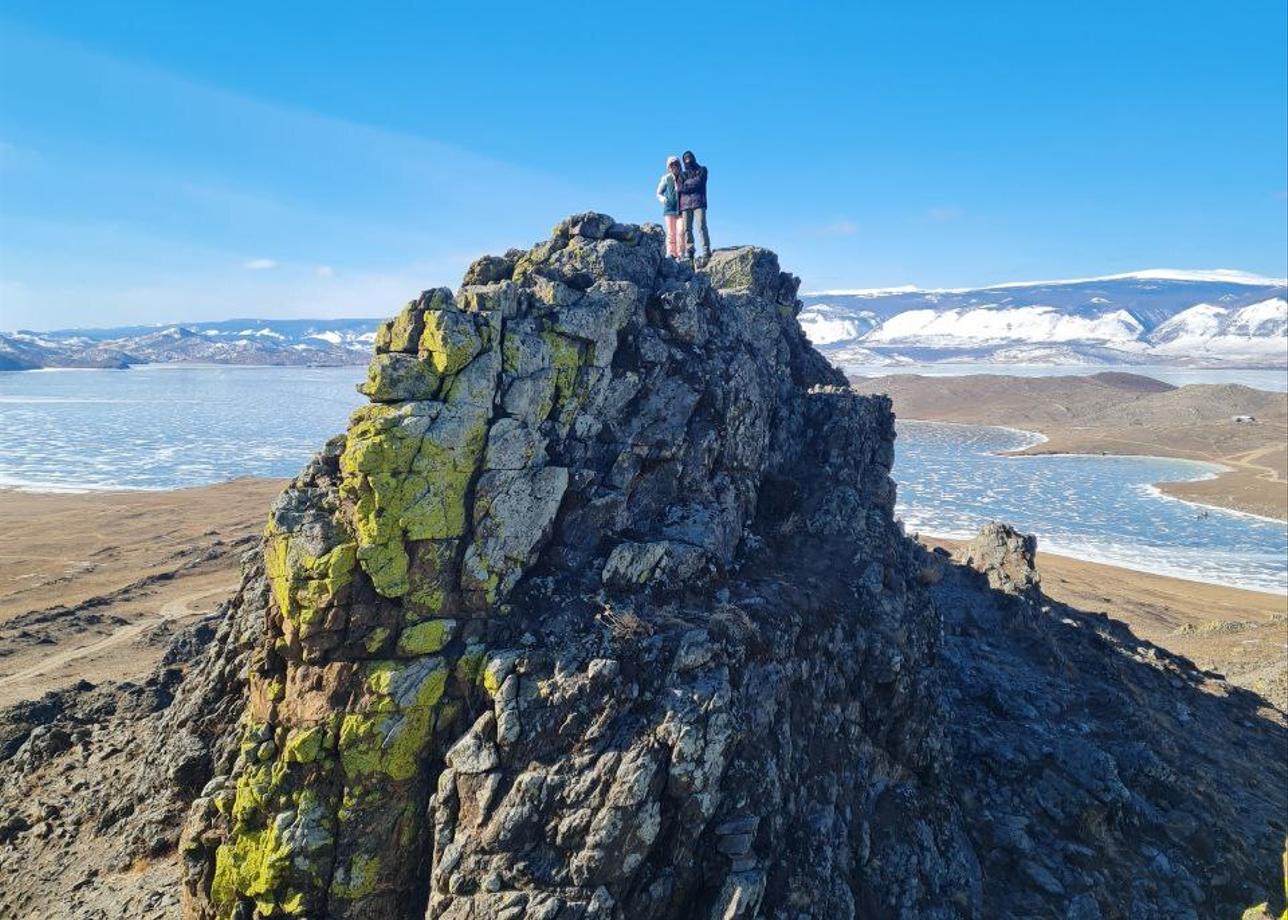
[[491, 677], [599, 609]]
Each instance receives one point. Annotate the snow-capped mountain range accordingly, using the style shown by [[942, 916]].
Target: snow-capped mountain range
[[1147, 317], [233, 341], [1158, 316]]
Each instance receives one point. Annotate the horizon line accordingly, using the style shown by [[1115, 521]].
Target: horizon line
[[1213, 275]]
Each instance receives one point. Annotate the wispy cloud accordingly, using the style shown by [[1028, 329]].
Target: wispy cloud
[[842, 227], [945, 213], [152, 225]]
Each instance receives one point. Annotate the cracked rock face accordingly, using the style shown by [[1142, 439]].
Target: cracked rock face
[[557, 628], [599, 609]]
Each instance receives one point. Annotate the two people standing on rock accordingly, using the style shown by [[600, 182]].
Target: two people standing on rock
[[682, 191]]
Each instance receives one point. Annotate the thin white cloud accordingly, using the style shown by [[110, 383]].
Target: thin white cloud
[[945, 213], [841, 227], [400, 189]]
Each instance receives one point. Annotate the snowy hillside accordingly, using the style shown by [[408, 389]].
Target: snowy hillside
[[1257, 330], [1154, 316], [236, 341], [825, 324]]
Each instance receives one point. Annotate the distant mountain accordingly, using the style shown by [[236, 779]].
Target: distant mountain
[[1207, 329], [1158, 316], [234, 341]]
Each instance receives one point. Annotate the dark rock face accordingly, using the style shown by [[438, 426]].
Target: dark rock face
[[600, 609], [1100, 775]]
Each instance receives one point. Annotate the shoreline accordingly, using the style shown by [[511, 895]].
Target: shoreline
[[1239, 430], [10, 488], [1166, 487], [93, 585], [1064, 559], [1206, 506], [254, 482], [1029, 451]]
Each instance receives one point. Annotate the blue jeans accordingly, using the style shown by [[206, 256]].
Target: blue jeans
[[696, 217]]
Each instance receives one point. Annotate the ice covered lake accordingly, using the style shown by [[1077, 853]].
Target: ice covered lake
[[165, 427], [159, 427], [953, 478]]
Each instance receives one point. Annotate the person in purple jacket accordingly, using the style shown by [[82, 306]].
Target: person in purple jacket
[[693, 204]]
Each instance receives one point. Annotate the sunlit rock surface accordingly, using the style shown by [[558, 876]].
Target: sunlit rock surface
[[599, 609]]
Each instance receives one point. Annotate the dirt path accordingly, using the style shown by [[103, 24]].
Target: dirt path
[[175, 609], [92, 585], [1245, 460]]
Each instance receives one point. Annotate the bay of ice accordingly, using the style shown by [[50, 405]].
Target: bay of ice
[[954, 478], [166, 427]]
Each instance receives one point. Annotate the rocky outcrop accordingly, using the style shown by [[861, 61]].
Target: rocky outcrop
[[599, 608], [1100, 776], [556, 627], [1006, 557]]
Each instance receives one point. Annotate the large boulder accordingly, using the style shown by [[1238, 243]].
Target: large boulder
[[1006, 557]]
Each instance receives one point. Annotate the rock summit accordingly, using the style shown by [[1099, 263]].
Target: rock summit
[[600, 609]]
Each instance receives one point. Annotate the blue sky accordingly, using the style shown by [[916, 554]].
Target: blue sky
[[163, 161]]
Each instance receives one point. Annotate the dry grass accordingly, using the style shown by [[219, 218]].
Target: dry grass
[[624, 625]]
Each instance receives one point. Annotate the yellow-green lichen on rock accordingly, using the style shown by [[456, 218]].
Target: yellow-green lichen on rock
[[432, 576], [402, 333], [357, 879], [469, 666], [396, 377], [511, 354], [451, 340], [282, 834], [303, 744], [565, 360], [302, 584], [388, 731], [426, 638], [407, 471], [249, 865]]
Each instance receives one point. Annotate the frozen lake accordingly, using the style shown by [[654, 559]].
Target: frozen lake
[[952, 480], [165, 427], [157, 427]]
